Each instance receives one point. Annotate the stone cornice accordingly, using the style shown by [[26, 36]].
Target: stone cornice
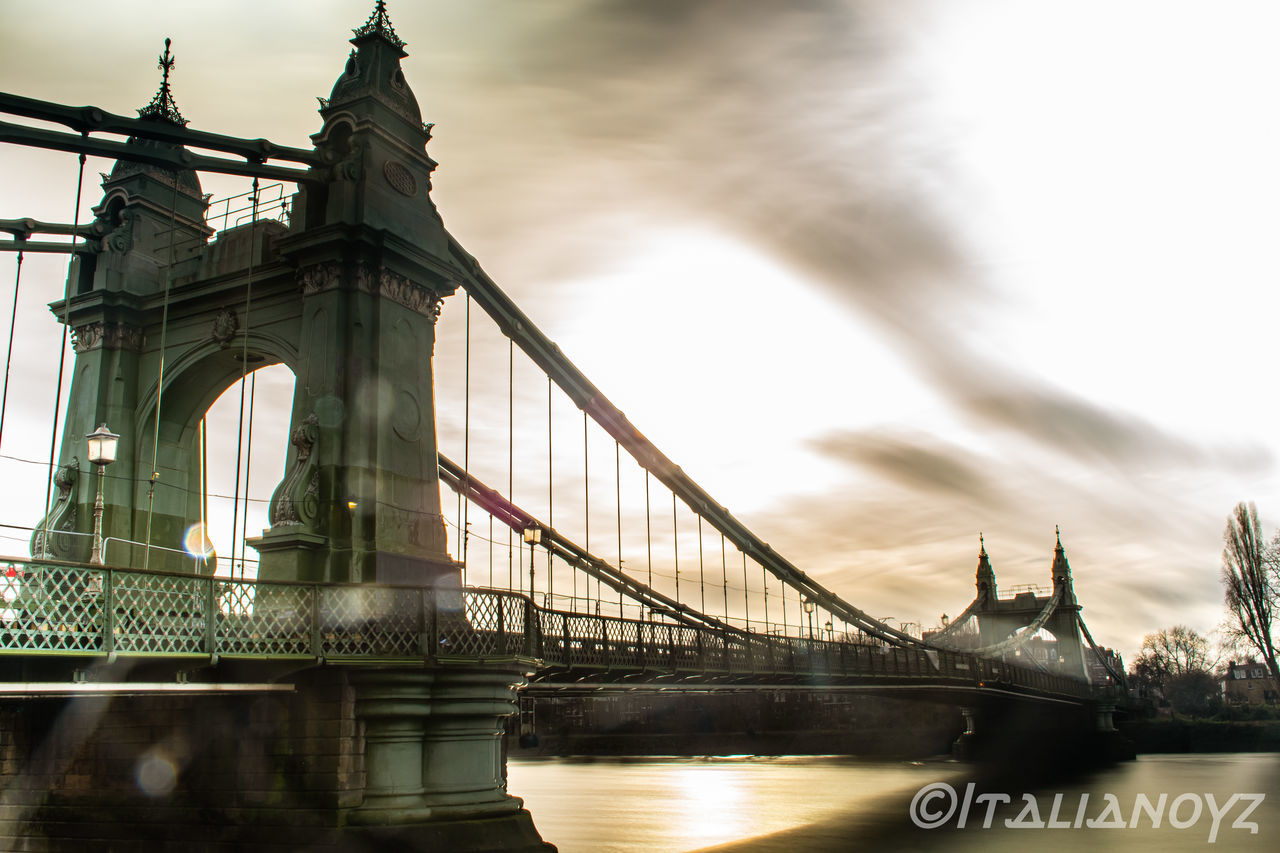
[[376, 280], [100, 335]]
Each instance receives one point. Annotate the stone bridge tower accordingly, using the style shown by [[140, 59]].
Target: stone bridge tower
[[998, 618], [347, 295]]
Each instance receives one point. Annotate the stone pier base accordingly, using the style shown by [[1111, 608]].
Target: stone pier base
[[347, 760], [1027, 736]]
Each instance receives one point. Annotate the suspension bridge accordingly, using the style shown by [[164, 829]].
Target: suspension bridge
[[357, 620]]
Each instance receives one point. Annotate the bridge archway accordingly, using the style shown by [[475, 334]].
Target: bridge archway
[[194, 383]]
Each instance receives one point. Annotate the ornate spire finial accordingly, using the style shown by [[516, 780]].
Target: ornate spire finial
[[982, 545], [379, 24], [1058, 535], [162, 106]]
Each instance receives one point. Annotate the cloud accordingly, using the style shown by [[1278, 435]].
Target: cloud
[[1081, 430], [795, 127], [920, 464]]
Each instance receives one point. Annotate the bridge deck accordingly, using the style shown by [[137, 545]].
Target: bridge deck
[[53, 609]]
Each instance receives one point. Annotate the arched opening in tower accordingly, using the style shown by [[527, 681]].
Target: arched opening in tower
[[246, 442]]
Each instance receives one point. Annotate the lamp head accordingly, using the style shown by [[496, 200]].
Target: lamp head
[[102, 445]]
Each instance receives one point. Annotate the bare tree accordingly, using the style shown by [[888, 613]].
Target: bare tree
[[1175, 664], [1250, 578], [1174, 651]]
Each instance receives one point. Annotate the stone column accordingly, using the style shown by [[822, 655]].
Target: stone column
[[463, 764], [434, 766], [393, 705], [1106, 720]]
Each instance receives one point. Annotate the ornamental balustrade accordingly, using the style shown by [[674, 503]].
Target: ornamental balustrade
[[59, 608]]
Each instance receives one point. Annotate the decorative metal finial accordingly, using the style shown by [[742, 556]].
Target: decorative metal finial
[[380, 25], [162, 106], [1057, 534], [982, 545], [166, 62]]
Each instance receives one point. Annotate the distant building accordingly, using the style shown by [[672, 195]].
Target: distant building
[[1100, 673], [1249, 683]]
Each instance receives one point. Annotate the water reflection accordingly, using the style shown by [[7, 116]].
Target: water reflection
[[674, 804], [753, 805]]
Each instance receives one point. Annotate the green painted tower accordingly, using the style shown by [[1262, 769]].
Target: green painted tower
[[360, 499], [165, 319]]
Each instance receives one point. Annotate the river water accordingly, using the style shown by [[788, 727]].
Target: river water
[[752, 804]]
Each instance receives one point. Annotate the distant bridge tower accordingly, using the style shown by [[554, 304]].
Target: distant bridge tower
[[999, 618], [347, 296]]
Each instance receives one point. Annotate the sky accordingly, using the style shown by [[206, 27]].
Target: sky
[[879, 276]]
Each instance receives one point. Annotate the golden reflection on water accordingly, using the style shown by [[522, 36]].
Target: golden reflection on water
[[781, 805], [678, 804]]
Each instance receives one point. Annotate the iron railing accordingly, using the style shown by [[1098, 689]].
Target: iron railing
[[58, 608]]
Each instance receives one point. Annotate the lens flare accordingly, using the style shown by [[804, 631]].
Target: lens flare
[[156, 773], [196, 542]]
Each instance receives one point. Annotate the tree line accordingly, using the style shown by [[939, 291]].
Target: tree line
[[1175, 664]]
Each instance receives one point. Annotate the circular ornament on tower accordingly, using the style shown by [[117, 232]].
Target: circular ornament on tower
[[400, 178]]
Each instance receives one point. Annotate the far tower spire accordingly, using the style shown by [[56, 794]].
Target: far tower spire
[[986, 576], [162, 106], [1061, 569], [379, 24]]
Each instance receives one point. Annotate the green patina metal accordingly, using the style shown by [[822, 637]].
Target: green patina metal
[[346, 294]]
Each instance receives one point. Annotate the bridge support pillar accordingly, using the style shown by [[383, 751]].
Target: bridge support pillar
[[434, 766], [1106, 717], [964, 748], [392, 705]]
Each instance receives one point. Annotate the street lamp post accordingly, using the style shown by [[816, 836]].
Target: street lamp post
[[809, 607], [830, 631], [532, 536], [102, 452]]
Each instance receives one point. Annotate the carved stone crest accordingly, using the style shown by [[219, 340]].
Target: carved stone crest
[[224, 328]]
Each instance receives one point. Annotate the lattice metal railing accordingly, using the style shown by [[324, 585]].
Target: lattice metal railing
[[55, 608]]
